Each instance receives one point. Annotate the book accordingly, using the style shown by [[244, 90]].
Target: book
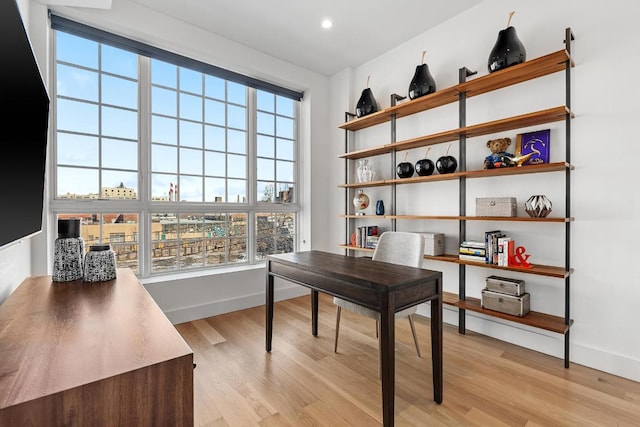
[[472, 251], [474, 258], [509, 251], [488, 242], [503, 259], [473, 244], [537, 143]]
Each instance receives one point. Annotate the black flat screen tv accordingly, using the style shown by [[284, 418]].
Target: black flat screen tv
[[24, 130]]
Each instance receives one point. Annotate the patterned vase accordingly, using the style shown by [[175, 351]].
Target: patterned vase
[[361, 202], [99, 264], [68, 256], [538, 206]]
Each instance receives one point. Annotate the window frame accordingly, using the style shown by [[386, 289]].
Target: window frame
[[144, 206]]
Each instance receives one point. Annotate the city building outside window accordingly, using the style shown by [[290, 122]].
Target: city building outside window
[[174, 167]]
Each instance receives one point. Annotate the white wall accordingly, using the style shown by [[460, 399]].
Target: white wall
[[605, 200]]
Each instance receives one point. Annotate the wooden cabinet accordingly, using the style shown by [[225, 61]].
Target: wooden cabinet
[[556, 62], [94, 354]]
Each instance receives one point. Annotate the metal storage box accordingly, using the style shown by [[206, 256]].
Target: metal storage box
[[510, 304], [433, 244], [505, 285], [496, 206]]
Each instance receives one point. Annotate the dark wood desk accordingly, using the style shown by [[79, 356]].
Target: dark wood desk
[[91, 354], [386, 288]]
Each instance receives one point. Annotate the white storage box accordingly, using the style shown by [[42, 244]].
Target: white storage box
[[496, 206], [433, 244]]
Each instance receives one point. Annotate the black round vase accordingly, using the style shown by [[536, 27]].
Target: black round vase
[[422, 82], [366, 104], [507, 51]]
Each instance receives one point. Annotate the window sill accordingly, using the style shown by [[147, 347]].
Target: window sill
[[162, 278]]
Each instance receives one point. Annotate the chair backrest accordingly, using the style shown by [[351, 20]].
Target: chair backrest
[[400, 247]]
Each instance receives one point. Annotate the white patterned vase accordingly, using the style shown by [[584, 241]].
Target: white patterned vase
[[538, 206], [99, 264]]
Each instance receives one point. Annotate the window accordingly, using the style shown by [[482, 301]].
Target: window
[[177, 164]]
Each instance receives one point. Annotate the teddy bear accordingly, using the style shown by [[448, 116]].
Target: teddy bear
[[499, 157]]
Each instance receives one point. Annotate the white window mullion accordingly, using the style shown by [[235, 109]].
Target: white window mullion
[[144, 166], [252, 196]]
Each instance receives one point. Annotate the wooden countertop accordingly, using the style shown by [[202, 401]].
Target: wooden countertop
[[55, 336]]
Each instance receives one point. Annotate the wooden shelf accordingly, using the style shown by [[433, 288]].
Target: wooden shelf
[[510, 123], [433, 100], [539, 168], [477, 218], [483, 173], [537, 269], [530, 119], [364, 184], [528, 70], [548, 64], [533, 318], [449, 298], [427, 102], [354, 216], [355, 248]]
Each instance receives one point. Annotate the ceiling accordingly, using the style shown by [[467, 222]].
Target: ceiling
[[291, 29]]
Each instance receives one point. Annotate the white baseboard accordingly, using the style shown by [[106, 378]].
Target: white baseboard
[[187, 314], [542, 341]]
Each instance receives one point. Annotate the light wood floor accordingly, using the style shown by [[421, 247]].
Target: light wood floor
[[302, 382]]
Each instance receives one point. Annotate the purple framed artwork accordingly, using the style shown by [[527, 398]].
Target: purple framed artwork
[[534, 142]]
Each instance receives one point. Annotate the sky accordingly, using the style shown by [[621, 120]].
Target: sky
[[198, 127]]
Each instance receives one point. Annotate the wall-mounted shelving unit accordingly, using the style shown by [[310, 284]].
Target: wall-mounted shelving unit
[[559, 61]]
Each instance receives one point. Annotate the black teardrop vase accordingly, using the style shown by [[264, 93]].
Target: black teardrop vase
[[366, 104], [507, 51], [422, 82]]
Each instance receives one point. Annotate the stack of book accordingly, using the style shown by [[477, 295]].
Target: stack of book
[[367, 236], [499, 248], [472, 251]]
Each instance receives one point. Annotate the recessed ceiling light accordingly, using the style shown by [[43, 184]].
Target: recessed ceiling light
[[327, 23]]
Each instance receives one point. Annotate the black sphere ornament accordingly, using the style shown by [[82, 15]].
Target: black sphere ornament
[[446, 163], [425, 167], [507, 51], [367, 103], [423, 82], [405, 169]]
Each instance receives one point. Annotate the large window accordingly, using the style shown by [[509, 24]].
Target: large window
[[175, 166]]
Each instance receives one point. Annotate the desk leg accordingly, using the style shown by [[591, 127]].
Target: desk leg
[[269, 308], [436, 344], [387, 360], [314, 312]]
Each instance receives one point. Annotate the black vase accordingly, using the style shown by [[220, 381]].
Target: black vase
[[507, 51], [366, 104], [422, 82]]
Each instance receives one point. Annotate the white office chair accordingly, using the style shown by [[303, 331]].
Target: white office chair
[[395, 247]]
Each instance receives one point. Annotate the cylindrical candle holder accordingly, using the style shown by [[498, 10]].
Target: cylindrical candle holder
[[99, 264], [68, 251]]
